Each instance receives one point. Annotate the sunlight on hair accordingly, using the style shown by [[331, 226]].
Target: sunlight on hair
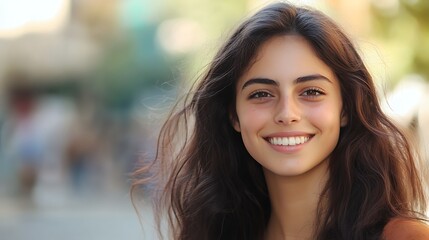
[[299, 2], [296, 2], [19, 17]]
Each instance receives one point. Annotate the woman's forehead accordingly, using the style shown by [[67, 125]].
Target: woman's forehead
[[288, 56]]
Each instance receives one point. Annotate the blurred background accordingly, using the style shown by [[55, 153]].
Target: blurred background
[[84, 84]]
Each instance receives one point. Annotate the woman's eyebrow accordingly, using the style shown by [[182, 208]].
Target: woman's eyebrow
[[302, 79], [311, 78], [259, 81]]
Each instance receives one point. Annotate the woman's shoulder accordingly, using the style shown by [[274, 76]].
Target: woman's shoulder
[[406, 229]]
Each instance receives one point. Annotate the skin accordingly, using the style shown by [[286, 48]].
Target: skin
[[289, 93], [401, 229]]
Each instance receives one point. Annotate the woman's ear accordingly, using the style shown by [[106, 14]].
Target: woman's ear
[[236, 125], [344, 119], [234, 120]]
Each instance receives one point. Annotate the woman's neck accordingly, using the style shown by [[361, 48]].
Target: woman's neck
[[294, 202]]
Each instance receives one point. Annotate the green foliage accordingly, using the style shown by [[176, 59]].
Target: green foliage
[[130, 66], [405, 31]]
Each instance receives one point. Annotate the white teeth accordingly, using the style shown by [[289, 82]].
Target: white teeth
[[285, 141], [288, 141], [276, 141]]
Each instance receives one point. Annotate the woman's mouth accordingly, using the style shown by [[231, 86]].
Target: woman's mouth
[[288, 141]]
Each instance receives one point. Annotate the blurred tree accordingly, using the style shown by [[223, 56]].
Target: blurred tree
[[132, 61], [131, 65], [403, 26]]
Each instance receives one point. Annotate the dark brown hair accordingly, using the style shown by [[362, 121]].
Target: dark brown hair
[[213, 188]]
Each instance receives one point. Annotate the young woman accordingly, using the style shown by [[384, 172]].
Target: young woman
[[284, 138]]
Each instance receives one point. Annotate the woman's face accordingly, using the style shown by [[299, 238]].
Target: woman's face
[[289, 107]]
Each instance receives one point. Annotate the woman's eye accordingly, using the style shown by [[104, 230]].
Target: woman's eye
[[313, 92], [260, 94]]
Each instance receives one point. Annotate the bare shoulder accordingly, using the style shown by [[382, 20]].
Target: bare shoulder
[[406, 229]]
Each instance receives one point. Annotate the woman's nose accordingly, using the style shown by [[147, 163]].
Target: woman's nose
[[287, 111]]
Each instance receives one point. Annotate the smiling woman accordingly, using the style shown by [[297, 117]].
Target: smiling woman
[[298, 98], [287, 141]]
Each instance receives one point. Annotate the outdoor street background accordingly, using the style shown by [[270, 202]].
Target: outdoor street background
[[85, 84]]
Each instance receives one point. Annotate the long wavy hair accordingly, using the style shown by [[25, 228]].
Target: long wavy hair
[[212, 188]]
